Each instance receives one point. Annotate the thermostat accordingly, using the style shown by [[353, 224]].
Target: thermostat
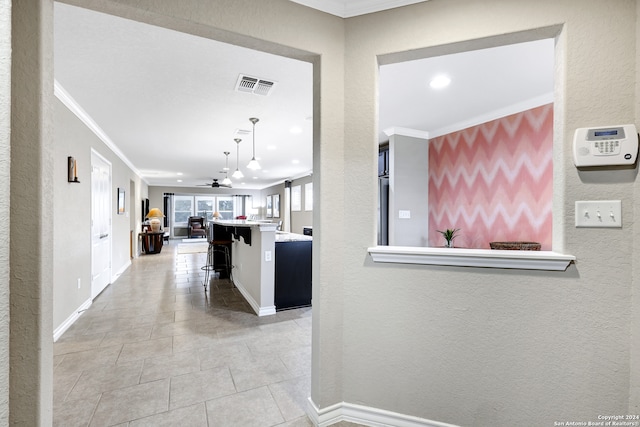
[[605, 146]]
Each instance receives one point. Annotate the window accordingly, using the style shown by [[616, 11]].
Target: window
[[296, 198], [225, 207], [185, 206], [204, 207], [182, 209], [308, 196]]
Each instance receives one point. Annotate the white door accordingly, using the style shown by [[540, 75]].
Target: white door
[[100, 224]]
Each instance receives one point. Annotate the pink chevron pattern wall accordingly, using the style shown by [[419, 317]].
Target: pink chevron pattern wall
[[494, 181]]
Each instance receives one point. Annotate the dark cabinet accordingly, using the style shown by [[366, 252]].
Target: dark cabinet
[[293, 274], [383, 161], [152, 241]]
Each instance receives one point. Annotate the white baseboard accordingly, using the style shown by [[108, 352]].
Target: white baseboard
[[70, 320], [122, 269], [365, 415], [260, 311]]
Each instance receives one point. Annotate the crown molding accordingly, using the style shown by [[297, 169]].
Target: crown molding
[[494, 115], [413, 133], [64, 97]]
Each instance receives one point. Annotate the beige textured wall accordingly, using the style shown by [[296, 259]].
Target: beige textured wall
[[31, 234], [634, 395], [461, 345], [5, 160], [493, 347]]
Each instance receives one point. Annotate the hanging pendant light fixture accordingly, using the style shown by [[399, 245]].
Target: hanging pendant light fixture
[[226, 180], [253, 164], [238, 174]]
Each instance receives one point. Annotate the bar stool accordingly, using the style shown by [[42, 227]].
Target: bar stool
[[217, 246]]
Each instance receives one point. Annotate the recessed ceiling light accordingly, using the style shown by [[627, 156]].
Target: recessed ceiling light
[[295, 161], [295, 130], [179, 174], [440, 81], [179, 180]]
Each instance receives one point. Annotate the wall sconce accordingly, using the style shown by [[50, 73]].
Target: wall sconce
[[72, 170]]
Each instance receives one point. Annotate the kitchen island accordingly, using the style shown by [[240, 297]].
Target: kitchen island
[[252, 255]]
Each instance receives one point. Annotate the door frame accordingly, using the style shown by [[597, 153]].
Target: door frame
[[96, 155]]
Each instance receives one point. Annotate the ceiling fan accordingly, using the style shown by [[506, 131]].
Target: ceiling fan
[[214, 184]]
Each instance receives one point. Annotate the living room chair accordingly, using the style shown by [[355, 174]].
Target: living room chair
[[196, 227]]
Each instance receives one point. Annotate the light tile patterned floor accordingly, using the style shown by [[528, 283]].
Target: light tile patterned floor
[[155, 350]]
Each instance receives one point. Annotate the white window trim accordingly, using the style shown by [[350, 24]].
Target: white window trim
[[525, 260], [308, 196], [296, 198]]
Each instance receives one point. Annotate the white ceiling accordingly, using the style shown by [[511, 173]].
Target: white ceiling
[[349, 8], [167, 100], [485, 84]]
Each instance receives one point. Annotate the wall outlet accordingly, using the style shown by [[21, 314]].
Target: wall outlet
[[599, 213], [404, 214], [267, 256]]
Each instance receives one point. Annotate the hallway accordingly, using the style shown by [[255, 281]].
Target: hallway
[[155, 350]]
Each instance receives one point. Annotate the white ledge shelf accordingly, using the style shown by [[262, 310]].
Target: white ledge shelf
[[460, 257]]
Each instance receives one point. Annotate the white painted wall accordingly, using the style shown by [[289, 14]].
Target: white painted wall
[[72, 212], [408, 191], [252, 272]]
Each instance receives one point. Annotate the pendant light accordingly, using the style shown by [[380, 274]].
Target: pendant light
[[226, 180], [253, 164], [238, 174]]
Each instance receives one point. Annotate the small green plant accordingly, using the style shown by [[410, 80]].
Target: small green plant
[[449, 234]]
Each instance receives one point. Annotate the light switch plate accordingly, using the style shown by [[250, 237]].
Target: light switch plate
[[404, 214], [599, 213]]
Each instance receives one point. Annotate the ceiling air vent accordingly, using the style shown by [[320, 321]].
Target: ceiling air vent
[[242, 132], [254, 85]]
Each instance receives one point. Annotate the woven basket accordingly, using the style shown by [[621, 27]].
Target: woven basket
[[515, 246]]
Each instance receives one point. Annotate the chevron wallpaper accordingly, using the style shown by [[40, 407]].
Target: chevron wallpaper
[[494, 181]]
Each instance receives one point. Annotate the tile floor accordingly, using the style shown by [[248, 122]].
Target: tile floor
[[155, 350]]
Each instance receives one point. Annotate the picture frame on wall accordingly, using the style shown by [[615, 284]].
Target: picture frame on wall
[[145, 209], [276, 206], [269, 207], [121, 206]]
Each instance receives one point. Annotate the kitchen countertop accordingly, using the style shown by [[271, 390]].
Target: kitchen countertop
[[283, 236], [242, 223]]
